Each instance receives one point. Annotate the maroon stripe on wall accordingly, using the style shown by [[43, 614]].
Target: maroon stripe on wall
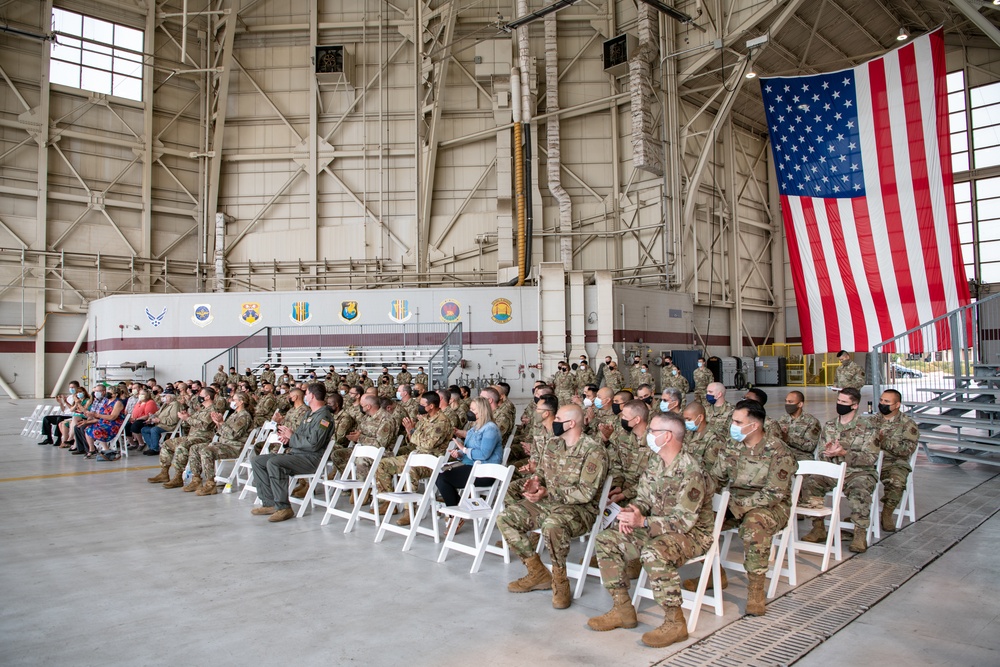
[[17, 347]]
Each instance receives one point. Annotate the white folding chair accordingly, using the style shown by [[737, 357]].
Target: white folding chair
[[580, 571], [710, 567], [399, 443], [313, 478], [790, 543], [358, 488], [36, 426], [874, 524], [405, 494], [229, 476], [118, 441], [32, 420], [908, 507], [171, 434], [483, 518], [247, 464]]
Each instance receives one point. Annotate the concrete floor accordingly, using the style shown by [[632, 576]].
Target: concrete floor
[[101, 568]]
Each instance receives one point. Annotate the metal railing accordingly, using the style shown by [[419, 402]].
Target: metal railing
[[446, 358]]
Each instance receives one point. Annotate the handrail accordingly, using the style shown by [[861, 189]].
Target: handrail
[[228, 350], [910, 332]]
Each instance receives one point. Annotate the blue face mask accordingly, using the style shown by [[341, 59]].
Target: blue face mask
[[399, 396], [598, 403], [664, 406], [690, 425], [736, 433], [710, 399]]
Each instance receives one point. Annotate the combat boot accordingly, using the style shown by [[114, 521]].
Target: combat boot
[[755, 594], [383, 508], [859, 544], [561, 595], [887, 519], [692, 584], [621, 615], [193, 485], [300, 489], [405, 519], [175, 483], [164, 476], [207, 489], [537, 579], [818, 532], [674, 629]]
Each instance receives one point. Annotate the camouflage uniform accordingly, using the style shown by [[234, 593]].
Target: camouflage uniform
[[585, 377], [613, 380], [431, 436], [421, 378], [638, 377], [410, 407], [504, 418], [627, 459], [603, 416], [702, 378], [234, 378], [386, 386], [704, 445], [668, 379], [719, 419], [574, 478], [232, 436], [220, 405], [175, 451], [850, 375], [365, 382], [859, 439], [565, 386], [265, 409], [345, 423], [267, 376], [760, 485], [404, 377], [351, 378], [286, 378], [378, 430], [330, 384], [898, 439], [676, 500], [801, 435], [220, 378]]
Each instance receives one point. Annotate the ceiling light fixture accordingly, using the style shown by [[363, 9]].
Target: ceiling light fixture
[[903, 35], [751, 74]]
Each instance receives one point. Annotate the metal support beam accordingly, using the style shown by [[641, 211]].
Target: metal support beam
[[263, 210], [978, 19], [211, 203]]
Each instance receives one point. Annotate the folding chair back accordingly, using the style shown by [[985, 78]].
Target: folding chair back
[[36, 426], [31, 421], [482, 513], [710, 568], [313, 478], [874, 525], [790, 543], [358, 488], [405, 494], [118, 441], [246, 466], [908, 507], [399, 443], [228, 477]]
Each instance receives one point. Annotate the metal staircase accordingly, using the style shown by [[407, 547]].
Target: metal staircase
[[954, 399], [436, 347]]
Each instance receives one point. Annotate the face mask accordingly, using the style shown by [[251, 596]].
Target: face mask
[[624, 422], [616, 408], [651, 443], [79, 394], [643, 370], [134, 392], [664, 406], [587, 402], [558, 428], [711, 400], [143, 397], [282, 392], [614, 368], [690, 425], [791, 408], [884, 409], [736, 433], [399, 396], [648, 400], [421, 410], [470, 416], [232, 405], [563, 369], [844, 409], [98, 395], [701, 364], [342, 392], [598, 403], [312, 377], [583, 368], [674, 372]]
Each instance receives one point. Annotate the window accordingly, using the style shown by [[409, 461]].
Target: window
[[96, 55]]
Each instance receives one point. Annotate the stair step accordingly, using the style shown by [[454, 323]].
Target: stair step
[[935, 453], [963, 444]]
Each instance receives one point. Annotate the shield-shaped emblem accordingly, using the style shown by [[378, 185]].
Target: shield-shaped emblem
[[502, 312], [202, 314], [399, 310], [250, 313], [300, 312], [349, 311]]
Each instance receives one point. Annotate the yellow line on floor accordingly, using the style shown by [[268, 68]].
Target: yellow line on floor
[[76, 474]]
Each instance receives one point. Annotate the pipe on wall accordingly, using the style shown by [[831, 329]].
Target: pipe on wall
[[553, 145]]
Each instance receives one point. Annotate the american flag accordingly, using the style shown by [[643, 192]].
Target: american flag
[[863, 164]]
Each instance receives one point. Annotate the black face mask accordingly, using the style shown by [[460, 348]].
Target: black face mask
[[628, 429], [844, 409], [648, 400], [537, 399], [421, 410], [558, 428], [884, 409], [616, 408], [791, 408], [470, 416]]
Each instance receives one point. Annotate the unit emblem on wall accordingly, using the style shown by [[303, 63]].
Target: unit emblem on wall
[[156, 320], [300, 312], [349, 311], [202, 314], [399, 310], [502, 312], [250, 313], [451, 310]]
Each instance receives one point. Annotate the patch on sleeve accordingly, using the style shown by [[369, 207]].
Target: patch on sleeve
[[694, 495], [591, 468], [782, 475], [325, 423]]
